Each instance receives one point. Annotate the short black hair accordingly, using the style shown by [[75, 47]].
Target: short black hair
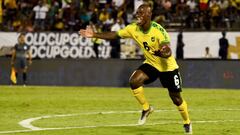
[[146, 5], [21, 34]]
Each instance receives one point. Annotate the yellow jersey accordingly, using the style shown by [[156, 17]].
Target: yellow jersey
[[151, 41]]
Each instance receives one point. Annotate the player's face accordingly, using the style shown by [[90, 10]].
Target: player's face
[[21, 39], [143, 15]]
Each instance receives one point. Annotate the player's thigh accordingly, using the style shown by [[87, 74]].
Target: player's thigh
[[23, 63], [137, 79], [151, 73], [17, 64], [171, 80]]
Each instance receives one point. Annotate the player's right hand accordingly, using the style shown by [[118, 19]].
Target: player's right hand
[[88, 32]]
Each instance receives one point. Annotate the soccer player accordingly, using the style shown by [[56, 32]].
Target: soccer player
[[19, 58], [159, 63]]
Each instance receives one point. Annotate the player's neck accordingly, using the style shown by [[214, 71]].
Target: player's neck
[[146, 26]]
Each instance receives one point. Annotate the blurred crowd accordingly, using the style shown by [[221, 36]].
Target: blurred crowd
[[71, 15]]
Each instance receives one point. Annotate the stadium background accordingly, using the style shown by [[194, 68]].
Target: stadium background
[[52, 35], [72, 110]]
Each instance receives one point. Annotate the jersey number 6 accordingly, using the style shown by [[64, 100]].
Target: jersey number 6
[[145, 44], [176, 80]]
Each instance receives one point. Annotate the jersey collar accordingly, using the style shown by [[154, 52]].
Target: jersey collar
[[146, 32]]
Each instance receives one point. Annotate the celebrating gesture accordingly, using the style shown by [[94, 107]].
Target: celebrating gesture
[[159, 64]]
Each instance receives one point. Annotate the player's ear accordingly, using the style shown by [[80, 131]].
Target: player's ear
[[150, 11], [150, 14]]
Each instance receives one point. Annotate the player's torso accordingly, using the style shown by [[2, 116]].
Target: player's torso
[[21, 50], [149, 42]]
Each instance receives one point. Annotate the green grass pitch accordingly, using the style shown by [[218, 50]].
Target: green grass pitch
[[114, 111]]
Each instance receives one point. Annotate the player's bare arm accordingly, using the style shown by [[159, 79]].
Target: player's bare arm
[[29, 57], [164, 52], [13, 57], [89, 33]]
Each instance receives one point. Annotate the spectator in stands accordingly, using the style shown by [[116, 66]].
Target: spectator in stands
[[19, 58], [203, 5], [159, 13], [215, 13], [181, 8], [104, 15], [24, 9], [180, 45], [40, 11], [172, 13], [94, 16], [66, 3], [115, 43], [192, 5], [109, 22], [53, 11], [70, 17], [102, 3], [11, 11], [59, 25], [16, 24], [206, 21], [84, 16], [225, 22], [223, 46], [117, 3], [223, 4], [233, 12], [192, 9], [122, 13], [26, 26], [207, 53], [167, 4]]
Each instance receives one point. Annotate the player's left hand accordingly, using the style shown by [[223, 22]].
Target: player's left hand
[[164, 52], [158, 53]]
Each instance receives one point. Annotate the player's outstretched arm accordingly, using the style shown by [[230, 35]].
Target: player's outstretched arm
[[89, 33]]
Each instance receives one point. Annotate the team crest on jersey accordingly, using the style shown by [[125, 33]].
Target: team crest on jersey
[[25, 47], [153, 39]]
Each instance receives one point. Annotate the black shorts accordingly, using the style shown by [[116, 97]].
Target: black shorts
[[20, 63], [170, 79]]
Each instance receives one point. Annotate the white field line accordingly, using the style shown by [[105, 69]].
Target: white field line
[[120, 125], [27, 122]]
